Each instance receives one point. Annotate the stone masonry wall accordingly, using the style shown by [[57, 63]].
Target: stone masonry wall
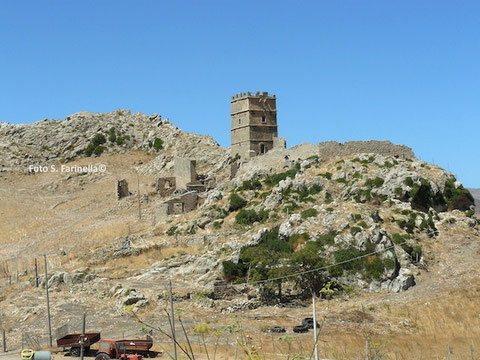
[[330, 149]]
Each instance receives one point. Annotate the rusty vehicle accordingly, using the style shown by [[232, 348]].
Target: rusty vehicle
[[125, 349], [73, 342]]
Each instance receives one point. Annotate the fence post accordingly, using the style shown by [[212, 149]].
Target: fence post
[[82, 341], [174, 338], [4, 340], [48, 303], [315, 339], [36, 273]]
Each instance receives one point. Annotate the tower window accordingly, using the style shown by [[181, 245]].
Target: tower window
[[264, 119], [262, 149], [239, 121]]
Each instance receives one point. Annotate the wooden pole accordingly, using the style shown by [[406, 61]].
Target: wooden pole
[[174, 337], [48, 303], [82, 340], [314, 310], [4, 340], [138, 192], [36, 273]]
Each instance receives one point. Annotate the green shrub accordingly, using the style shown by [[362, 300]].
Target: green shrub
[[98, 139], [329, 209], [375, 267], [400, 238], [248, 217], [250, 185], [120, 141], [456, 197], [309, 213], [355, 230], [99, 150], [356, 175], [345, 259], [470, 213], [217, 224], [291, 207], [408, 225], [327, 175], [233, 271], [157, 144], [274, 179], [328, 198], [327, 239], [294, 239], [408, 181], [365, 161], [341, 181], [172, 231], [416, 253], [89, 149], [271, 241], [422, 196], [304, 193], [356, 217], [377, 182], [236, 202], [363, 224]]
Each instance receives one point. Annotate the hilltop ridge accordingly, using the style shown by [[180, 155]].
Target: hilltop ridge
[[75, 137]]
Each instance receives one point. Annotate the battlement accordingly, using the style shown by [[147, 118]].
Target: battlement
[[248, 94]]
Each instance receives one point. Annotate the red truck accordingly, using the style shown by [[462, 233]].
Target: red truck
[[108, 349], [121, 349]]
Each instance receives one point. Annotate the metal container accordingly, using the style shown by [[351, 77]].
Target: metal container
[[42, 355]]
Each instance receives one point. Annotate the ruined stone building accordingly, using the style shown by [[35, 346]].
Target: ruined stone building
[[183, 188], [254, 129]]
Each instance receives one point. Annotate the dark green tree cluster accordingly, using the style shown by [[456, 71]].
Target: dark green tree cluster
[[275, 257], [95, 146]]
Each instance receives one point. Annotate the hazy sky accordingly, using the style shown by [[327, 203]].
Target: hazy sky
[[405, 71]]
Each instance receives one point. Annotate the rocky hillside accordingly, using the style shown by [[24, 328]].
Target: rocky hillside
[[86, 134], [311, 214], [291, 222]]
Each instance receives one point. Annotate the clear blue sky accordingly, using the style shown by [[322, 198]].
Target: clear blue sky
[[405, 71]]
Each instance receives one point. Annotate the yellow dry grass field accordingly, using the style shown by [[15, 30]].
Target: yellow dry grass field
[[45, 212]]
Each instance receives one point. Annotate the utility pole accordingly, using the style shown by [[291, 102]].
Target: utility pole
[[82, 340], [4, 338], [174, 337], [138, 192], [48, 302], [314, 310], [36, 273]]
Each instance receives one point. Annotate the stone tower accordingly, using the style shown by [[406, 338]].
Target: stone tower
[[254, 124]]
